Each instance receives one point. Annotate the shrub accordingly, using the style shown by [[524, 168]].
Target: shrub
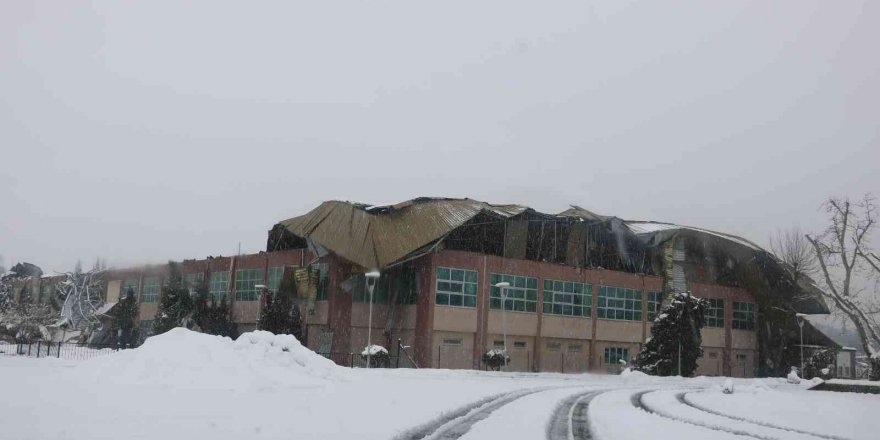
[[495, 359]]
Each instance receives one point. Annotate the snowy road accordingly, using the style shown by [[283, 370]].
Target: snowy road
[[252, 393]]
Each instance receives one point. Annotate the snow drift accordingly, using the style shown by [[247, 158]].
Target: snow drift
[[183, 358]]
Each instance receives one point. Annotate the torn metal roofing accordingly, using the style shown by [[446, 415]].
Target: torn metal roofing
[[375, 237], [644, 228]]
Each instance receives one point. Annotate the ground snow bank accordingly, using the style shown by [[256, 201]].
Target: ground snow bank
[[183, 358]]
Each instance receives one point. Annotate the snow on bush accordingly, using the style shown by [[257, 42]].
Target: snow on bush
[[377, 355], [182, 358], [374, 350], [495, 359], [793, 376]]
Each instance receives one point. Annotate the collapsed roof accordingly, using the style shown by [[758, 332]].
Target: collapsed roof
[[381, 236]]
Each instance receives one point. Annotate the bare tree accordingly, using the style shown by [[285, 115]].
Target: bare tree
[[83, 294], [796, 252], [843, 252]]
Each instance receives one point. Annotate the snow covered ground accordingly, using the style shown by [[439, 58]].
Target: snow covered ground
[[194, 386]]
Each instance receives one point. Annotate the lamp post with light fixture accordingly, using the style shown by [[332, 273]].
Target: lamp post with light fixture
[[262, 288], [800, 321], [502, 286], [371, 278]]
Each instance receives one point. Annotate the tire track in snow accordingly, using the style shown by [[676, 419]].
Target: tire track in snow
[[569, 420], [636, 400], [682, 397], [455, 424]]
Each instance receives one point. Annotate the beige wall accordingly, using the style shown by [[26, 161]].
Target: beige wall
[[623, 331], [712, 337], [711, 363], [518, 323], [553, 326], [450, 355], [743, 339], [742, 363], [455, 319], [564, 355]]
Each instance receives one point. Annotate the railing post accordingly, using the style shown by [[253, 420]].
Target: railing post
[[30, 343], [59, 349], [438, 357], [39, 347], [562, 365], [397, 365]]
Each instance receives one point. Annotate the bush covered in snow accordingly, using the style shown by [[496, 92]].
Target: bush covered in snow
[[495, 359], [377, 356]]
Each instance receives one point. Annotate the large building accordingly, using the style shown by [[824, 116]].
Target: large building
[[583, 288]]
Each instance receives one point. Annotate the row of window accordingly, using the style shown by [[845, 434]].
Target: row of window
[[458, 287], [246, 282]]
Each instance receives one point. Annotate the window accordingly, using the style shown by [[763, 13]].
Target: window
[[407, 286], [130, 286], [653, 305], [498, 344], [713, 355], [741, 357], [620, 303], [613, 355], [274, 281], [456, 287], [715, 313], [219, 285], [519, 344], [246, 281], [323, 270], [452, 342], [567, 298], [380, 291], [522, 295], [195, 281], [554, 346], [151, 290], [574, 347], [743, 315]]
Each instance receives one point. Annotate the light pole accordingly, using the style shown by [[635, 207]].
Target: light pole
[[371, 278], [503, 287], [262, 289], [800, 321]]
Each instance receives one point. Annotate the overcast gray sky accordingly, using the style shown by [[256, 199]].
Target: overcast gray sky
[[154, 130]]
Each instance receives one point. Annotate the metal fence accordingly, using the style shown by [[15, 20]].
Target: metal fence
[[61, 350], [400, 359]]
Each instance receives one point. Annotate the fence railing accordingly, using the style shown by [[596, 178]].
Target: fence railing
[[61, 350], [400, 359]]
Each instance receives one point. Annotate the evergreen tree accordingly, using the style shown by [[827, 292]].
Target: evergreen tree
[[176, 303], [125, 328], [675, 330], [281, 316], [213, 317]]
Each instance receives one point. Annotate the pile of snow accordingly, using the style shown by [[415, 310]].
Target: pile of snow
[[727, 388], [183, 358]]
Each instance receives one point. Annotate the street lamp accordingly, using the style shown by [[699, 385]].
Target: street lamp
[[371, 278], [800, 321], [503, 287], [262, 289]]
